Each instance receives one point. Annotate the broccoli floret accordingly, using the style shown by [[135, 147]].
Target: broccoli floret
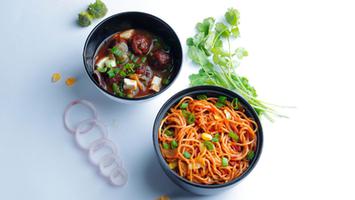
[[97, 9], [84, 19]]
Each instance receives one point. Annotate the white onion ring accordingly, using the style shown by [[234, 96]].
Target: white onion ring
[[109, 160], [85, 103], [98, 144], [94, 122], [118, 176]]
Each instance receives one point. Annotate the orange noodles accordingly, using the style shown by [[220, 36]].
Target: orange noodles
[[208, 141]]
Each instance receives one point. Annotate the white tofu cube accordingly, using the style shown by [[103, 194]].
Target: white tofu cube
[[102, 62], [127, 34], [129, 84], [110, 63], [155, 84]]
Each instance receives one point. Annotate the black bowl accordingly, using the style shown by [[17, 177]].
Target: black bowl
[[131, 20], [209, 91]]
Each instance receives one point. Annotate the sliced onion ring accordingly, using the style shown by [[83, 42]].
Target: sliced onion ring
[[107, 161], [118, 176], [93, 122], [70, 105], [98, 144]]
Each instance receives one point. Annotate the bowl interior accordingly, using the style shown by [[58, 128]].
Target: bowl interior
[[210, 91], [132, 20]]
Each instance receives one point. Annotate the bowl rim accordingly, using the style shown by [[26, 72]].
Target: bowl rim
[[143, 14], [205, 89]]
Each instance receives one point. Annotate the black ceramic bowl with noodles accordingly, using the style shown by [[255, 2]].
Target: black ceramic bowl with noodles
[[210, 91]]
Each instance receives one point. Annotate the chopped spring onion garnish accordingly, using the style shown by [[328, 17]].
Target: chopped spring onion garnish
[[224, 162], [187, 155], [115, 88], [165, 146], [250, 155], [131, 57], [216, 138], [234, 103], [201, 97], [169, 132], [165, 81], [143, 59], [233, 135], [184, 105], [122, 73], [174, 144], [135, 59], [117, 51], [190, 118], [102, 69], [221, 101], [111, 73], [209, 145]]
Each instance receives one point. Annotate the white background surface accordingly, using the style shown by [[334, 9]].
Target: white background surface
[[301, 54]]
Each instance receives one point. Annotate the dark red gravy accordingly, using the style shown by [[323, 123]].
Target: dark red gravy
[[138, 56]]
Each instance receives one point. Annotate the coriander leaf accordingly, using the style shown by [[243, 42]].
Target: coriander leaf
[[222, 29], [218, 64], [200, 79], [235, 31], [198, 56], [205, 26], [232, 16], [219, 51], [190, 41], [241, 53], [219, 60], [218, 43]]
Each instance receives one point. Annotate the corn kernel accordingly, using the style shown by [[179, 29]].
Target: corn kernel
[[217, 117], [70, 81], [56, 77], [206, 136], [172, 165]]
